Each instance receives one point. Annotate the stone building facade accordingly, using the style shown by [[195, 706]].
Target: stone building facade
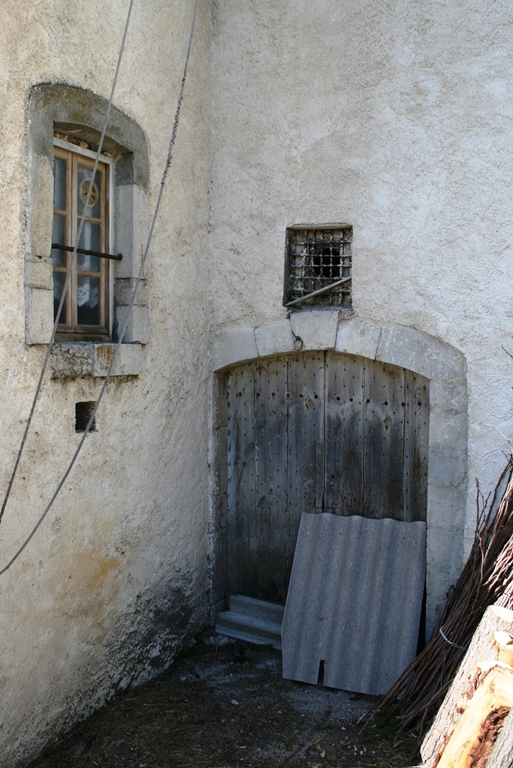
[[393, 119]]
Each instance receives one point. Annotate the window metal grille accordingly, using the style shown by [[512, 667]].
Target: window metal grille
[[318, 261]]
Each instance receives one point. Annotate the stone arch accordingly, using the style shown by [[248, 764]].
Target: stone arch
[[408, 348]]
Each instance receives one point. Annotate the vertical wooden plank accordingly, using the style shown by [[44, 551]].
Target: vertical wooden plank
[[241, 477], [372, 439], [409, 446], [419, 472], [383, 439], [305, 437], [416, 445], [271, 490], [219, 523], [344, 447], [393, 442]]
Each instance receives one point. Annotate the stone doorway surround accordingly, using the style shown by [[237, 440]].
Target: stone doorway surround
[[409, 348]]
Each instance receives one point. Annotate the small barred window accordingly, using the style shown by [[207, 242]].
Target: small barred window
[[318, 267]]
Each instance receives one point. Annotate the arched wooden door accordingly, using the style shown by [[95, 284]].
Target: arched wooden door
[[317, 432]]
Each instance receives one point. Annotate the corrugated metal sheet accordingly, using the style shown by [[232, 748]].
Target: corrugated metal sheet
[[354, 601]]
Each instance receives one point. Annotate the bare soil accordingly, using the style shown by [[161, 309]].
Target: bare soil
[[226, 705]]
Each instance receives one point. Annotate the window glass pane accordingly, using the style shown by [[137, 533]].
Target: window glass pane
[[90, 239], [88, 300], [59, 278], [59, 183], [83, 181], [59, 236]]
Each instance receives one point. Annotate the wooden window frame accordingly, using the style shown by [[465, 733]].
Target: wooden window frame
[[75, 156], [59, 112]]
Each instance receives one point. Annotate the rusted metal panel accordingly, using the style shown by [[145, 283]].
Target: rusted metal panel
[[354, 601], [317, 432]]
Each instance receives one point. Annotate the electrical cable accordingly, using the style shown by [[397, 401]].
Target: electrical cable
[[130, 307]]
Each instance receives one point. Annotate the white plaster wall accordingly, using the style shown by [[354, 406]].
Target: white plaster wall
[[394, 117], [115, 579]]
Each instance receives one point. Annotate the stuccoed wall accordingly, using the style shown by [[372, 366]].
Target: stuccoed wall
[[115, 580], [394, 117]]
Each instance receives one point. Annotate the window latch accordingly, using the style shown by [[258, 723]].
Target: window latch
[[70, 248]]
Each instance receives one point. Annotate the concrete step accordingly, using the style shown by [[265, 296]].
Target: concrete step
[[254, 621]]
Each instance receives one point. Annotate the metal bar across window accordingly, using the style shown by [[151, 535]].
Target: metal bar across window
[[70, 248], [319, 291]]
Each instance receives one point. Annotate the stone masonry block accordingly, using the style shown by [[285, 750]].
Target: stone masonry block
[[419, 352], [138, 327], [39, 317], [447, 506], [41, 218], [274, 339], [127, 363], [358, 337], [317, 329], [449, 427], [447, 465], [448, 395], [124, 288], [72, 360], [39, 273], [444, 561], [232, 346], [131, 227]]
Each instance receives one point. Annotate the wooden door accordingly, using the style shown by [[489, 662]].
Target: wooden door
[[317, 432]]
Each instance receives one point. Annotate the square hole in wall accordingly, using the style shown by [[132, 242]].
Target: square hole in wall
[[83, 412], [318, 267]]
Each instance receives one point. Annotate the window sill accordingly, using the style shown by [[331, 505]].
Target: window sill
[[78, 359]]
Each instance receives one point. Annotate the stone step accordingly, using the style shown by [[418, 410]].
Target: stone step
[[252, 606], [253, 621]]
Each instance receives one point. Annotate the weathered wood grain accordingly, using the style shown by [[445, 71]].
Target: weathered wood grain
[[502, 753], [317, 432], [481, 649]]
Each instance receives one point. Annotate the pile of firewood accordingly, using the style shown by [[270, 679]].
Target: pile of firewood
[[486, 579]]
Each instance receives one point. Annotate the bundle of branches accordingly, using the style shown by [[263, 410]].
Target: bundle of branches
[[486, 579]]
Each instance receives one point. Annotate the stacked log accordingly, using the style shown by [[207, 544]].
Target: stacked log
[[466, 729]]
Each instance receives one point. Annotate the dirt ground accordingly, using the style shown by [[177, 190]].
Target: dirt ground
[[226, 705]]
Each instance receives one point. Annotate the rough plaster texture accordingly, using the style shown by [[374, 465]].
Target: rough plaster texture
[[393, 117], [396, 118], [115, 580]]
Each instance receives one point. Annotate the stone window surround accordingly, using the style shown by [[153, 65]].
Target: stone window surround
[[50, 107], [402, 346]]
